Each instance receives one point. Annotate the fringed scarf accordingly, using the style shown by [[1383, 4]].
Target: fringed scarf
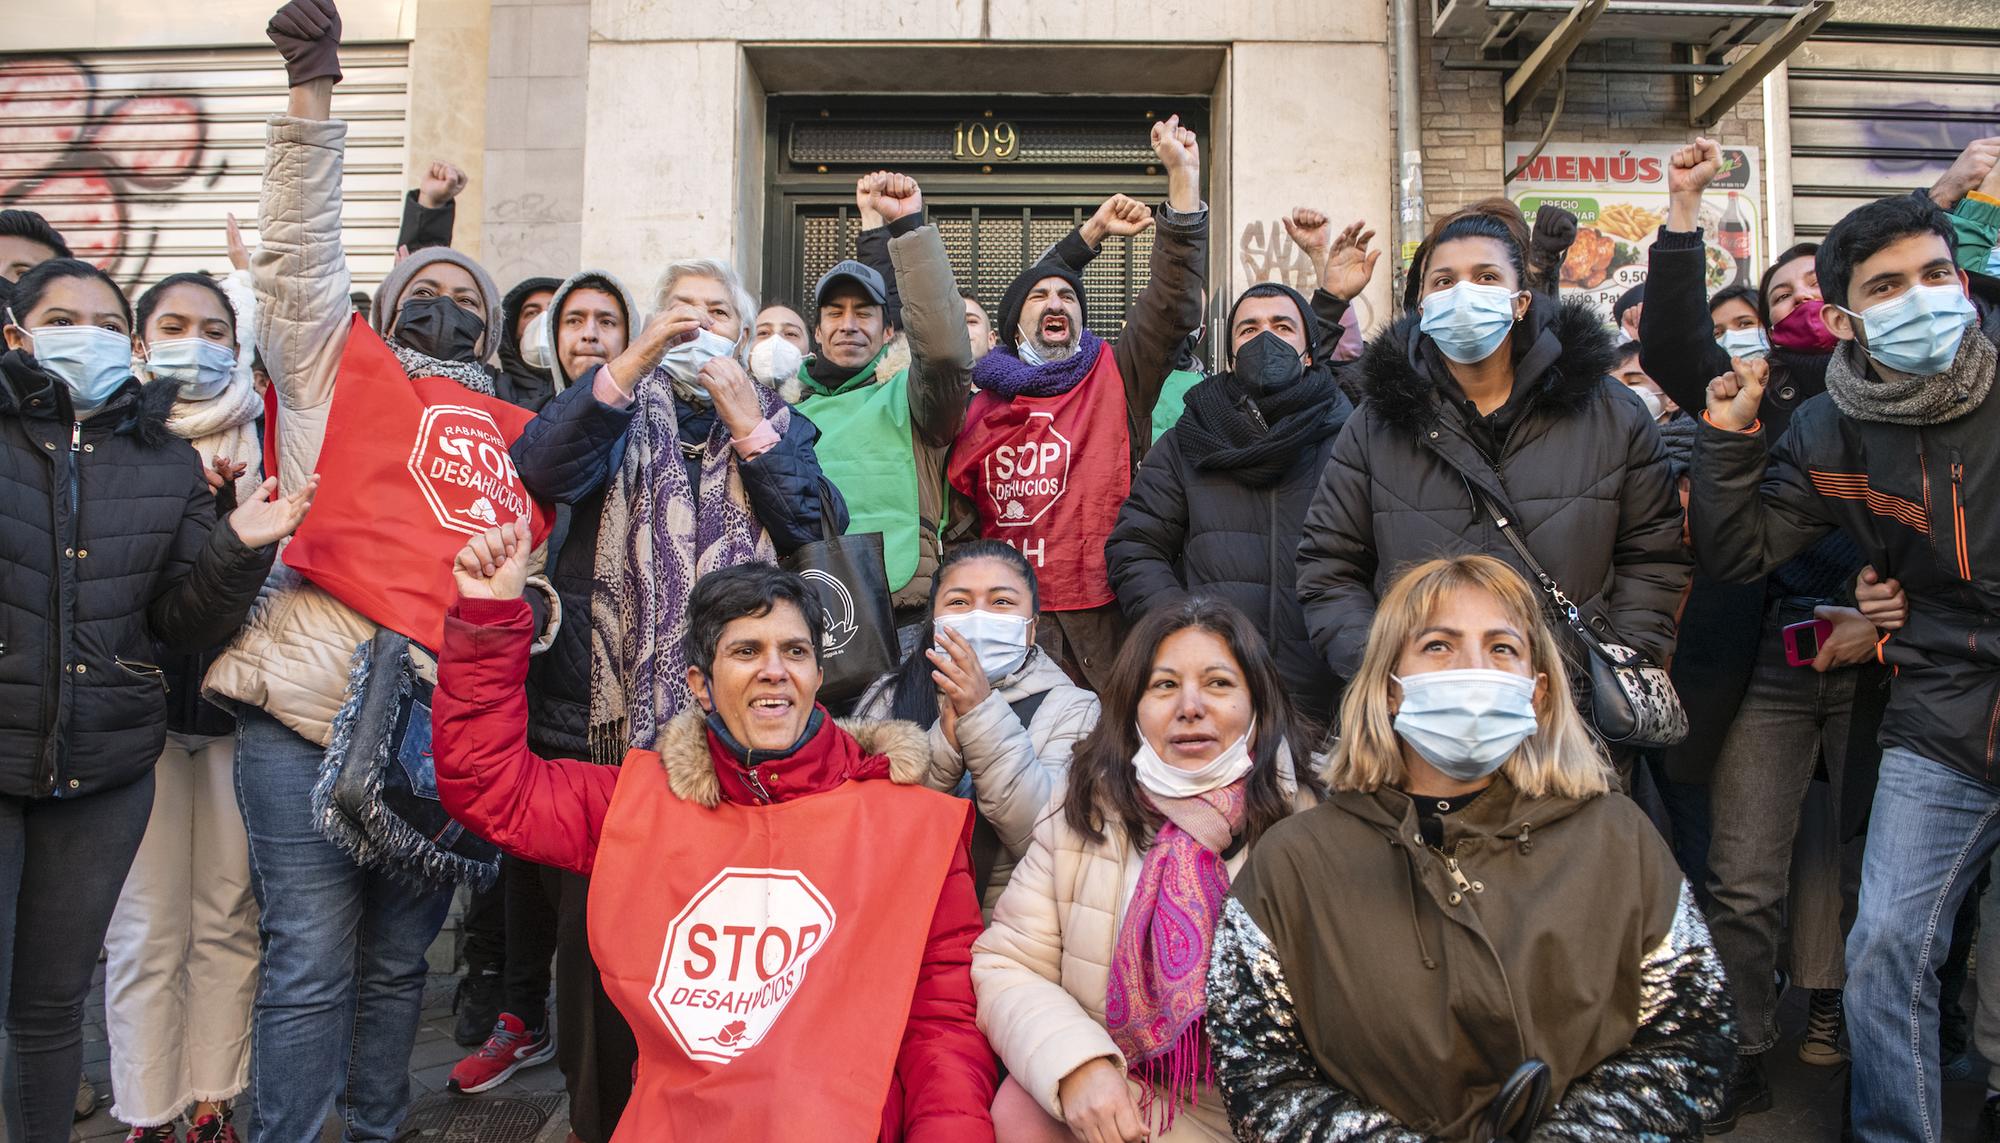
[[225, 425], [1158, 995], [1004, 372], [470, 374], [656, 538]]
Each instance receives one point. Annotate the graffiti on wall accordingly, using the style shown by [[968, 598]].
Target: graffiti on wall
[[1934, 127], [1267, 254], [98, 165]]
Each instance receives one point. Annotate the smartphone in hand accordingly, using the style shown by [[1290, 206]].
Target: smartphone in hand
[[1802, 640]]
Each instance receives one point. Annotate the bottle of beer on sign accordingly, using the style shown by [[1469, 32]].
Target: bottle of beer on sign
[[1733, 235]]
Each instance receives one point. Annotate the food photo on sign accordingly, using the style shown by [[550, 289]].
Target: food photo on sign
[[1619, 197]]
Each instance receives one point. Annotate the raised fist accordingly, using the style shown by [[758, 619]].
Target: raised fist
[[307, 33], [1120, 215], [494, 564], [1175, 145], [1733, 398], [441, 183], [1693, 167], [890, 195]]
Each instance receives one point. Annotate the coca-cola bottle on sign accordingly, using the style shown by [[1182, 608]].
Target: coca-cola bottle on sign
[[1733, 235]]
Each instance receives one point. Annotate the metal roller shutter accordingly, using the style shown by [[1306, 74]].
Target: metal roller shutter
[[1877, 111], [138, 157]]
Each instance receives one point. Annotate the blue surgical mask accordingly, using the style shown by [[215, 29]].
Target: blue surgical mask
[[1469, 321], [1993, 261], [1745, 344], [91, 361], [1466, 723], [1918, 331], [684, 361], [200, 367]]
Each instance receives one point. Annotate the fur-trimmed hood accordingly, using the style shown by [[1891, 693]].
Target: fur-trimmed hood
[[684, 753], [1566, 360]]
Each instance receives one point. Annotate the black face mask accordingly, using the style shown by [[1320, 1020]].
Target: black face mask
[[1266, 364], [439, 327]]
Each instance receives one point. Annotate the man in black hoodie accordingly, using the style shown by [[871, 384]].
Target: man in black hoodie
[[518, 382]]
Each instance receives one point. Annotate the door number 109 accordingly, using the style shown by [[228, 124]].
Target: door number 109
[[976, 140]]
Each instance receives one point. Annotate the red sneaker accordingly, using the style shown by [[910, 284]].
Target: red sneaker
[[212, 1129], [510, 1048]]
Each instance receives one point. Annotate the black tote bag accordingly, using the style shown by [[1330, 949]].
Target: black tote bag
[[848, 574]]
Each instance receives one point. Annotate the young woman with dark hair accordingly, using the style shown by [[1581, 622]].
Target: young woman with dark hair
[[110, 546], [1494, 398], [1003, 717], [1089, 985], [180, 966]]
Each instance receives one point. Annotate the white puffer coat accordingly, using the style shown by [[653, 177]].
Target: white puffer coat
[[1017, 771]]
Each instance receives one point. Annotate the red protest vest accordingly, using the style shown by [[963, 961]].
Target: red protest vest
[[765, 956], [409, 468], [1047, 475]]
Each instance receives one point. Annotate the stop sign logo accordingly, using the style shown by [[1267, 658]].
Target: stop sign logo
[[1027, 475], [461, 466], [735, 956]]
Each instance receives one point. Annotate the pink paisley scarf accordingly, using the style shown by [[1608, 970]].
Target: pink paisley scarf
[[1159, 967]]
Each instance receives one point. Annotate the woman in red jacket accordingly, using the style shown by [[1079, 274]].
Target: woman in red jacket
[[784, 915]]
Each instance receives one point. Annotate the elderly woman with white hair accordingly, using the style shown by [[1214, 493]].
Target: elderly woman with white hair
[[670, 462]]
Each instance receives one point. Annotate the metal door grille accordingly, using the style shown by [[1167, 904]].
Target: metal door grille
[[988, 246]]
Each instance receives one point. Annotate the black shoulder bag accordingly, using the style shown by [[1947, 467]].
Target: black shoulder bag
[[1632, 701]]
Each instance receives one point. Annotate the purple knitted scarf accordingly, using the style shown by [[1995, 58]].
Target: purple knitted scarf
[[656, 537], [1003, 372]]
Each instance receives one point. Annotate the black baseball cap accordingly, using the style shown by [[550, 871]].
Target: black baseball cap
[[856, 272]]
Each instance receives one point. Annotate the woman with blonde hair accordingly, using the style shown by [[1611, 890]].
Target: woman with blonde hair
[[1522, 955]]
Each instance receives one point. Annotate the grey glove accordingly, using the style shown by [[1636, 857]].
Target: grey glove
[[307, 33]]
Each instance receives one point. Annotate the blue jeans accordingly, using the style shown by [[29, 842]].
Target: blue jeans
[[1931, 833], [343, 984]]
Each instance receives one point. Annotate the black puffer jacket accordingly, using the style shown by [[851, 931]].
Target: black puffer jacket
[[108, 542], [1184, 528], [567, 455], [1581, 463], [1918, 502]]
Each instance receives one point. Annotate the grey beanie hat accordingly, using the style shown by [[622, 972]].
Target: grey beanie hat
[[389, 295]]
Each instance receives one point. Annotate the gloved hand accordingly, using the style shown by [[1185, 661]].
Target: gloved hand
[[1555, 231], [307, 33]]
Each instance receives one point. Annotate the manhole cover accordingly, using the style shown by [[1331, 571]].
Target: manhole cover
[[444, 1118]]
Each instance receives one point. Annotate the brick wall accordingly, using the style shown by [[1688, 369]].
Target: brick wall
[[1465, 129]]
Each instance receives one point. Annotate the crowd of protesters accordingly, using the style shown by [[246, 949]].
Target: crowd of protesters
[[1471, 738]]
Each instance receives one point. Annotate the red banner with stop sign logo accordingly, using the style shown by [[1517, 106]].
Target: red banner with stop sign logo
[[409, 469], [764, 960]]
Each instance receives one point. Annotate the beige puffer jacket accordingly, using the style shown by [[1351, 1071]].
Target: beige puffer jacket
[[292, 656], [1016, 770], [1042, 967]]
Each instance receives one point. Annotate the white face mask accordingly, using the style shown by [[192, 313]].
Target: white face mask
[[684, 361], [999, 641], [1654, 405], [202, 368], [774, 361], [1745, 344], [1466, 723], [1165, 780], [537, 347]]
